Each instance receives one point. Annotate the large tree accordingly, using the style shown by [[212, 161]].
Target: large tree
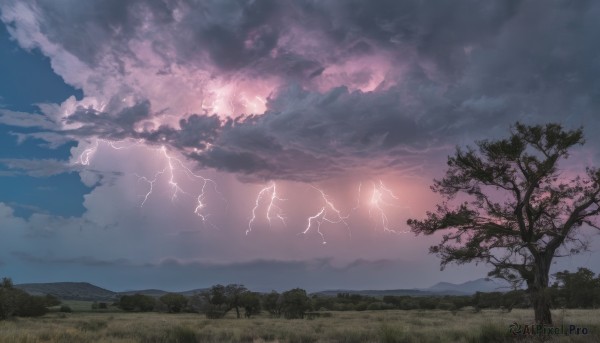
[[510, 203]]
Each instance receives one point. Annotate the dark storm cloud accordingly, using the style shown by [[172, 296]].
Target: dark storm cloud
[[318, 136], [194, 132], [108, 124], [458, 71], [316, 264], [216, 28]]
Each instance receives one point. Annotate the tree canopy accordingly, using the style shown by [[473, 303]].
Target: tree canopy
[[517, 208]]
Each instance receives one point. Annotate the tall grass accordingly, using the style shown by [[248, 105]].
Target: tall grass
[[344, 327]]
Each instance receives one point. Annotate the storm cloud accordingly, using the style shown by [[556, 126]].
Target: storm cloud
[[347, 84], [339, 94]]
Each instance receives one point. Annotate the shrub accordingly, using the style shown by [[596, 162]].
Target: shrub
[[136, 302], [175, 302], [295, 303], [31, 306], [65, 309], [15, 302]]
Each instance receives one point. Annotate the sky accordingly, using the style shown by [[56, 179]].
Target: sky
[[276, 144]]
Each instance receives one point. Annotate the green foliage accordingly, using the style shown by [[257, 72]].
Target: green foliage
[[65, 309], [15, 302], [221, 299], [251, 303], [216, 302], [51, 300], [196, 303], [217, 295], [295, 303], [272, 302], [540, 211], [7, 283], [233, 296], [175, 302], [31, 306], [577, 290], [137, 302]]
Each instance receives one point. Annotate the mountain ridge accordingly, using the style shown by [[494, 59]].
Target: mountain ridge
[[90, 292]]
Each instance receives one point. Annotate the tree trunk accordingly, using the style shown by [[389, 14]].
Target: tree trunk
[[539, 292], [237, 311], [541, 306]]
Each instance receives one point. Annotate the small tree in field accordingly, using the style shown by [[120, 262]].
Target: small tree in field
[[234, 292], [521, 212], [295, 303], [175, 302]]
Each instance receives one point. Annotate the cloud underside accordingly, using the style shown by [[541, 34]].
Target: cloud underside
[[172, 262], [310, 90], [260, 275]]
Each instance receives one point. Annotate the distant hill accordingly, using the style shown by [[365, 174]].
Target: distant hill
[[193, 291], [395, 292], [441, 288], [87, 291], [471, 287], [160, 292], [69, 290], [149, 292]]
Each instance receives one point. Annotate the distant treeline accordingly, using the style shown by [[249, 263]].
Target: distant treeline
[[571, 290], [580, 289]]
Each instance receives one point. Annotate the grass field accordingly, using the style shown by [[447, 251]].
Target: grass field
[[367, 326]]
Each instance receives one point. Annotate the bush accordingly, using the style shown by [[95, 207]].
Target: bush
[[31, 306], [175, 302], [51, 300], [15, 302], [65, 309], [295, 303], [136, 302]]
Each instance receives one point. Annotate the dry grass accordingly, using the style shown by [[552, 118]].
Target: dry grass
[[369, 326]]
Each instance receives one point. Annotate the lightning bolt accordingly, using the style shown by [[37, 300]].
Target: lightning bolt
[[377, 201], [322, 216], [87, 154], [316, 217], [172, 182], [271, 207], [172, 166], [150, 183], [380, 198]]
